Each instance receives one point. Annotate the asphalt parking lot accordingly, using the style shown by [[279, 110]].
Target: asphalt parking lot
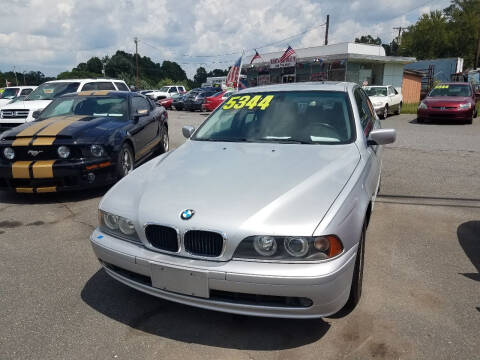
[[421, 295]]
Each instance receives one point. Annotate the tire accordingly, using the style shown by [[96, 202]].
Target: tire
[[399, 110], [385, 112], [125, 161], [469, 121], [165, 142], [420, 120], [357, 281]]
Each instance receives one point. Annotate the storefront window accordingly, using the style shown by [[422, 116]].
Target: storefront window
[[372, 73]]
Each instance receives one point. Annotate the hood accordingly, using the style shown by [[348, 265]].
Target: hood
[[66, 127], [446, 100], [31, 105], [239, 188], [4, 102]]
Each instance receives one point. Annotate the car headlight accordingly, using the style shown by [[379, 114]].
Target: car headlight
[[63, 151], [117, 226], [377, 104], [465, 106], [97, 150], [9, 153], [422, 105], [289, 248]]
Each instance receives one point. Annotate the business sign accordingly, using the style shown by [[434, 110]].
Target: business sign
[[290, 61]]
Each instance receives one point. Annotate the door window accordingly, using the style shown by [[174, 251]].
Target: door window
[[26, 91], [121, 86], [106, 85], [140, 105], [172, 90], [365, 110]]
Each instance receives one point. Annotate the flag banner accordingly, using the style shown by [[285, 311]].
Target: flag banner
[[287, 54], [233, 74], [256, 56], [288, 59]]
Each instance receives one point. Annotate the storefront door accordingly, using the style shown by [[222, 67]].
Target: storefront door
[[288, 79]]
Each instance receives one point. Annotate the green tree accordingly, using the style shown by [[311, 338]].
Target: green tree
[[171, 70], [217, 72], [94, 65], [200, 77], [368, 39]]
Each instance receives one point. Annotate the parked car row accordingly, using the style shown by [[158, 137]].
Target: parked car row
[[204, 99]]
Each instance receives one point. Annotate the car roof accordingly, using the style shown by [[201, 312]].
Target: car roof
[[303, 86], [82, 80], [109, 93], [377, 86]]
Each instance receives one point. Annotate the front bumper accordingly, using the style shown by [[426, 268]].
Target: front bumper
[[447, 114], [240, 287], [193, 105], [44, 176]]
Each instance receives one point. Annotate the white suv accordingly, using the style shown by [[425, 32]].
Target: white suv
[[19, 112], [10, 93], [166, 92]]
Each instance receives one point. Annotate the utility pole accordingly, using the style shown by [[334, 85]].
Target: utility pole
[[399, 38], [136, 61], [24, 83], [16, 80], [326, 29], [477, 53]]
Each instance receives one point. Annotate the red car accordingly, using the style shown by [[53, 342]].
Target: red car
[[449, 101], [166, 103], [212, 102]]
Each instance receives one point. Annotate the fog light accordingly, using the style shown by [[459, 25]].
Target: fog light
[[296, 246], [265, 245], [63, 151], [9, 153], [90, 177]]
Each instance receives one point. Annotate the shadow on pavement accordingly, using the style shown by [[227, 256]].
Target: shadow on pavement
[[10, 197], [152, 315], [438, 122], [469, 238]]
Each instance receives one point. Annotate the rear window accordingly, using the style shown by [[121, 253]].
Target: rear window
[[451, 90]]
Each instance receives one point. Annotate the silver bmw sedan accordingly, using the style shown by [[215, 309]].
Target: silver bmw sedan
[[263, 211]]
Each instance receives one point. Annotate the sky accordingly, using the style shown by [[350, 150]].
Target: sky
[[55, 35]]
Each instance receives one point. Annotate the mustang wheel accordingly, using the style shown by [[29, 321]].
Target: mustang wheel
[[164, 144], [125, 162]]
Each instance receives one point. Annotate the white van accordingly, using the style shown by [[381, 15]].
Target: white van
[[20, 112]]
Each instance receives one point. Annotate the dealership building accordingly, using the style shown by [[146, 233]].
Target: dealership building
[[359, 63]]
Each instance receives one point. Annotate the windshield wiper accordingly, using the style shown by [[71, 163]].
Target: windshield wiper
[[284, 141], [224, 140]]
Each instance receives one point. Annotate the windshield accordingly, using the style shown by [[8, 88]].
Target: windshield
[[93, 106], [10, 93], [164, 89], [376, 91], [451, 90], [306, 117], [49, 91]]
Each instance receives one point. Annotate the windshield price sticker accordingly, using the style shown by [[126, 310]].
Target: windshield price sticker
[[441, 87], [247, 101], [48, 91]]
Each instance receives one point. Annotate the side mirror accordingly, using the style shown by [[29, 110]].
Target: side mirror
[[138, 114], [381, 137], [188, 131], [36, 114]]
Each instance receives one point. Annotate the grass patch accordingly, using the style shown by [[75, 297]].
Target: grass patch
[[409, 108]]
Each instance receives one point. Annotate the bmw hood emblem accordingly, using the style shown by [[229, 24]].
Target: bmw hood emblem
[[187, 214]]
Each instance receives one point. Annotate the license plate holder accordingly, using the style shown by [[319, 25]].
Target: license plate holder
[[181, 281]]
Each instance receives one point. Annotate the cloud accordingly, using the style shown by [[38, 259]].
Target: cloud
[[53, 36]]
